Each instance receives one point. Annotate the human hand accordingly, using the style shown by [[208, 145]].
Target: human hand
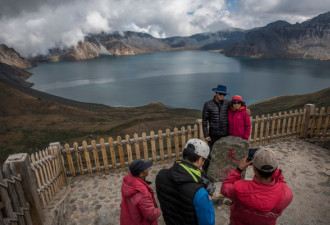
[[207, 139], [244, 163], [248, 111]]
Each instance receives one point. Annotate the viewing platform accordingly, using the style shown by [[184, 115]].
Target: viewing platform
[[306, 168]]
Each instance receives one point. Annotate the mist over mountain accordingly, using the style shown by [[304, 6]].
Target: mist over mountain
[[280, 39]]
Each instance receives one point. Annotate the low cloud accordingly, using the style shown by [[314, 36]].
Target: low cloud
[[32, 27]]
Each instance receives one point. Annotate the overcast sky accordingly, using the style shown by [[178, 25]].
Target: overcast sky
[[33, 26]]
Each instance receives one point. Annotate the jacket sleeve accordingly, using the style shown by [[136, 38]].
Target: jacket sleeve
[[205, 118], [288, 196], [148, 209], [247, 126], [204, 208], [227, 188]]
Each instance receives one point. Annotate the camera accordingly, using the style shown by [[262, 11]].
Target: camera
[[209, 186], [252, 151]]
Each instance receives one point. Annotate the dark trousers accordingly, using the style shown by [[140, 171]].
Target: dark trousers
[[214, 138]]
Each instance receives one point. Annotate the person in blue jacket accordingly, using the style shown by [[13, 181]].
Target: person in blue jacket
[[185, 196]]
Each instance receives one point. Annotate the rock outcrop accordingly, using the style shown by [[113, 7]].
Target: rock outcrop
[[310, 39], [11, 57]]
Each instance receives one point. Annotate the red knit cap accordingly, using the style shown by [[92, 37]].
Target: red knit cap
[[237, 98]]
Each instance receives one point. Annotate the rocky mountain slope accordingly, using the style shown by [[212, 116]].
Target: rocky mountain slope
[[310, 39], [10, 57]]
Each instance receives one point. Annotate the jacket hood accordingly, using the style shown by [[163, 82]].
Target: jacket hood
[[131, 185], [180, 175], [266, 195]]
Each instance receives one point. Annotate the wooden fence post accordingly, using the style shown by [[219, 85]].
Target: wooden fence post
[[309, 111], [23, 167], [200, 128]]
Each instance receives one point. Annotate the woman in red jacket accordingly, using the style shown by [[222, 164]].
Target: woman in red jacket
[[138, 205], [238, 119]]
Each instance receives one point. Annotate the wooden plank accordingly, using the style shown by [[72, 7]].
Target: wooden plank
[[38, 179], [267, 129], [195, 131], [153, 147], [96, 157], [12, 194], [129, 149], [288, 134], [104, 156], [261, 130], [6, 200], [303, 121], [273, 129], [51, 168], [113, 155], [137, 146], [69, 158], [283, 135], [78, 158], [299, 124], [250, 137], [145, 147], [313, 122], [183, 138], [49, 172], [189, 132], [21, 197], [319, 122], [278, 127], [293, 131], [42, 174], [325, 129], [176, 143], [121, 153], [255, 131], [161, 146], [87, 158], [169, 145]]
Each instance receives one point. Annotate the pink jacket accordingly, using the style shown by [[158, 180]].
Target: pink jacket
[[255, 202], [239, 123], [138, 205]]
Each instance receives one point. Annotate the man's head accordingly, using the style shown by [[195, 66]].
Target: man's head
[[139, 168], [196, 151], [220, 92], [264, 163]]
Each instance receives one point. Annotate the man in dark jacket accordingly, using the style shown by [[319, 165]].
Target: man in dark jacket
[[215, 112], [184, 195]]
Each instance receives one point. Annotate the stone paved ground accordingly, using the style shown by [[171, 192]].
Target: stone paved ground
[[306, 168]]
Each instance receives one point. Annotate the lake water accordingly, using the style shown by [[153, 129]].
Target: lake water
[[178, 78]]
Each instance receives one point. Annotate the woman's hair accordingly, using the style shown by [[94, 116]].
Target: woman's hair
[[189, 154]]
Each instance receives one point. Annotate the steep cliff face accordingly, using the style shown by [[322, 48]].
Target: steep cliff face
[[310, 39], [11, 57]]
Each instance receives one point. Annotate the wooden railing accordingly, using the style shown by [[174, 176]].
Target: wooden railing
[[115, 154], [43, 173], [13, 205], [48, 174]]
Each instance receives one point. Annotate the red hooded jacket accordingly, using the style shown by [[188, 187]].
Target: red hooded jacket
[[239, 123], [255, 202], [138, 205]]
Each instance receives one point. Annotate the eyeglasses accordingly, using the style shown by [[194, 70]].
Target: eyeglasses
[[221, 94], [237, 103]]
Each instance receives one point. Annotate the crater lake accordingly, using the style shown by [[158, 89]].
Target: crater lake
[[181, 79]]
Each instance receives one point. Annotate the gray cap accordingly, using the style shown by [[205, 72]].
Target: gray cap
[[264, 160]]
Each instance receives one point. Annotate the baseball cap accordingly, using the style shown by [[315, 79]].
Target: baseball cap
[[138, 166], [265, 160], [201, 148]]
